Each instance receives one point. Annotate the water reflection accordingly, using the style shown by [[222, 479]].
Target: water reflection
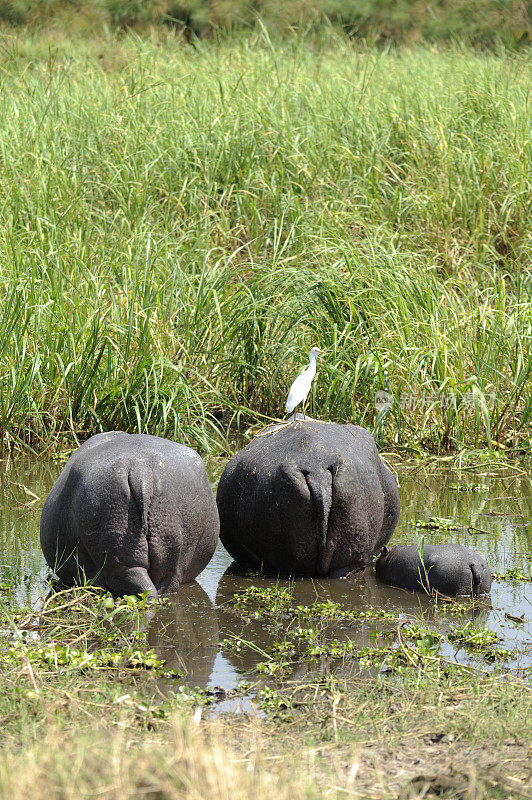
[[356, 594], [187, 631], [24, 484], [184, 631], [359, 595]]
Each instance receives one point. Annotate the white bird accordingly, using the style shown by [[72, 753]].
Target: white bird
[[301, 386]]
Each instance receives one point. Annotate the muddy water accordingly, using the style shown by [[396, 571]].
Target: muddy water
[[496, 520]]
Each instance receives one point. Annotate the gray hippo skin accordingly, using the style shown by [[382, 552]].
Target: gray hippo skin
[[307, 498], [451, 569], [131, 513]]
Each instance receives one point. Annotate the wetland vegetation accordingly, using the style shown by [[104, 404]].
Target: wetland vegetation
[[380, 692], [180, 223], [93, 706]]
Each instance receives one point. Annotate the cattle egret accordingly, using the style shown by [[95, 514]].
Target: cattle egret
[[301, 386]]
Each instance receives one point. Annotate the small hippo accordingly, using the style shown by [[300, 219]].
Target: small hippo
[[451, 569]]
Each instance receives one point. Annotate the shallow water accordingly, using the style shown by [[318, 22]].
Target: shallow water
[[187, 631]]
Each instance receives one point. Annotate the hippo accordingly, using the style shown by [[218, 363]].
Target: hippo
[[307, 498], [451, 569], [132, 513]]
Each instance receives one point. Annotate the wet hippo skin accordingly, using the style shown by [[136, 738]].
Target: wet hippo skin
[[307, 498], [451, 569], [130, 513]]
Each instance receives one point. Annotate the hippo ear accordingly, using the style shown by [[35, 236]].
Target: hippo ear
[[384, 551]]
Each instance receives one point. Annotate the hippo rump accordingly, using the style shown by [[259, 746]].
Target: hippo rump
[[130, 513], [307, 498], [451, 569]]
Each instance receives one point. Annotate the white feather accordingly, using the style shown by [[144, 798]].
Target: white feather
[[301, 386]]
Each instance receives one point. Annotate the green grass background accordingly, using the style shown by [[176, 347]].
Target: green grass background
[[179, 224]]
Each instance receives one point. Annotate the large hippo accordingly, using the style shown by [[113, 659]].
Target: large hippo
[[131, 513], [451, 569], [307, 498]]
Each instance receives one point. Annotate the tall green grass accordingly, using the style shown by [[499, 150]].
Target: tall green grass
[[179, 225]]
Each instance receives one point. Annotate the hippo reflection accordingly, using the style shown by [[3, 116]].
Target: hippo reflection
[[359, 595], [184, 631], [234, 626]]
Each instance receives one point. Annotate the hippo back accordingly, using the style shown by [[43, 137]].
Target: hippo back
[[451, 569], [307, 498], [131, 513]]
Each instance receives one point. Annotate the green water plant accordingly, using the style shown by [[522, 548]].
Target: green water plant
[[80, 629], [438, 523], [468, 487], [323, 632], [471, 636], [513, 574]]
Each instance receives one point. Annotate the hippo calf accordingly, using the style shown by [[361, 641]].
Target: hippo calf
[[451, 569], [307, 498], [130, 513]]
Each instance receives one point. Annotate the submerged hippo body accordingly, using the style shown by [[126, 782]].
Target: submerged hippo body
[[451, 569], [131, 513], [307, 498]]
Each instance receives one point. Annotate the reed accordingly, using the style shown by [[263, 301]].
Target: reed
[[180, 224]]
